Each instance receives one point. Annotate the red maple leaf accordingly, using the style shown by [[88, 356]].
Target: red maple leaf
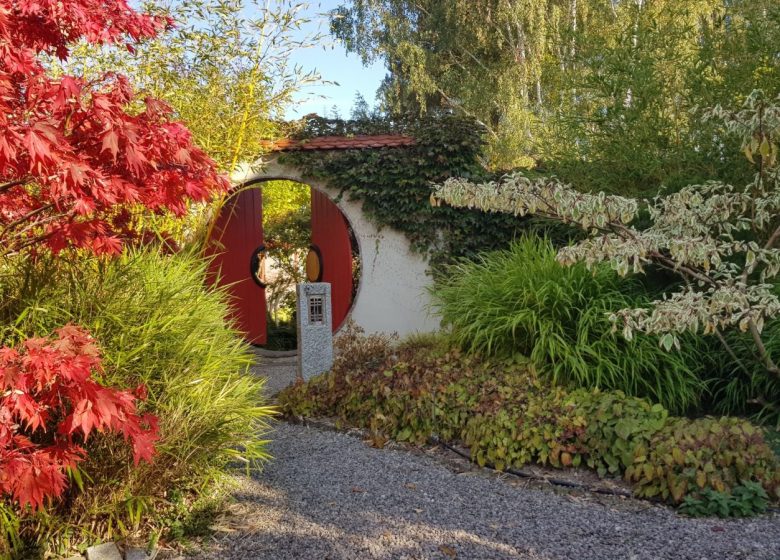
[[49, 390]]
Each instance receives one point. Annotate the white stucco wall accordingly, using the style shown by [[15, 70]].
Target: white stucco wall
[[392, 295]]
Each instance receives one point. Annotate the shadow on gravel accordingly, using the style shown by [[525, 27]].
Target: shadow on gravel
[[261, 525], [330, 496]]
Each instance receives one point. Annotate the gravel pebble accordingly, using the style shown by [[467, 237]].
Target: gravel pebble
[[327, 495]]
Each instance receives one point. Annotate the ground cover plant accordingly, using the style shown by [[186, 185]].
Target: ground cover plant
[[523, 301], [509, 417], [160, 326]]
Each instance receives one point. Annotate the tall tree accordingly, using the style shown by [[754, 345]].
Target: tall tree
[[601, 91]]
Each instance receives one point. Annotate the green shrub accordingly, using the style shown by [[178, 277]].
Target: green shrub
[[616, 425], [745, 500], [740, 383], [157, 324], [509, 417], [522, 301], [687, 457]]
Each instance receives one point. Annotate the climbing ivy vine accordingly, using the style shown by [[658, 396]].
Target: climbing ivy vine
[[395, 184]]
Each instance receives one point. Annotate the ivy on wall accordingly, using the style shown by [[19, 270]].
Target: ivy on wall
[[394, 184]]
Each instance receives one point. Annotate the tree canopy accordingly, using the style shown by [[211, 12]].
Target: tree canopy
[[77, 153], [605, 93]]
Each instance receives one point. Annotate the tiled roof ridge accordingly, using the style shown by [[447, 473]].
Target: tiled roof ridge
[[340, 142]]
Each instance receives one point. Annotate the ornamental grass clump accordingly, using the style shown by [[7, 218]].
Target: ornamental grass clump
[[522, 301], [159, 325]]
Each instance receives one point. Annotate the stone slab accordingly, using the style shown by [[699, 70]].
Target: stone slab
[[139, 554], [105, 551]]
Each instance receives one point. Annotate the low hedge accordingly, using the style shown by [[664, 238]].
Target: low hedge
[[509, 417]]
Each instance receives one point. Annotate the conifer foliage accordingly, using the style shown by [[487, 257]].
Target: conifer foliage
[[75, 154]]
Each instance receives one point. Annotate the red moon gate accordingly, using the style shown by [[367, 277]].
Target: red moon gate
[[237, 239]]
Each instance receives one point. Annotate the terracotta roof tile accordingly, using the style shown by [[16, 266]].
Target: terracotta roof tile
[[339, 143]]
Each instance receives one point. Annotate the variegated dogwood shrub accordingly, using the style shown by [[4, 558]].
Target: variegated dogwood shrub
[[720, 239]]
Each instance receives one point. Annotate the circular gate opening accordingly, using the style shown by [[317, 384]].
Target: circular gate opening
[[306, 238]]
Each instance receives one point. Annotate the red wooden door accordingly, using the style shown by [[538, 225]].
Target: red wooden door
[[330, 233], [236, 236]]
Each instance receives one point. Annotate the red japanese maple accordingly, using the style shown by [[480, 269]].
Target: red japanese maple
[[50, 405], [72, 157]]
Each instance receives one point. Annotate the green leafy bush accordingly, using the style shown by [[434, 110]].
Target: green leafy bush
[[745, 500], [157, 324], [509, 417], [523, 301], [616, 425], [689, 456]]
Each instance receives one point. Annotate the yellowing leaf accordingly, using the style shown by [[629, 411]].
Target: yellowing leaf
[[765, 149]]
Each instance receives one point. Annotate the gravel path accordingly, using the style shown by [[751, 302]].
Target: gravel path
[[279, 372], [329, 496]]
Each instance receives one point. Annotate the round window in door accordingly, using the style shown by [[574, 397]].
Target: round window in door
[[257, 266], [314, 264]]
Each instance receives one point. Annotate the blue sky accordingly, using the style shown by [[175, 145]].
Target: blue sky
[[335, 65]]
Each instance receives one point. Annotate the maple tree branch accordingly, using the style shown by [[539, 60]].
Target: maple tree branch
[[12, 252], [26, 218], [39, 223], [11, 184]]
